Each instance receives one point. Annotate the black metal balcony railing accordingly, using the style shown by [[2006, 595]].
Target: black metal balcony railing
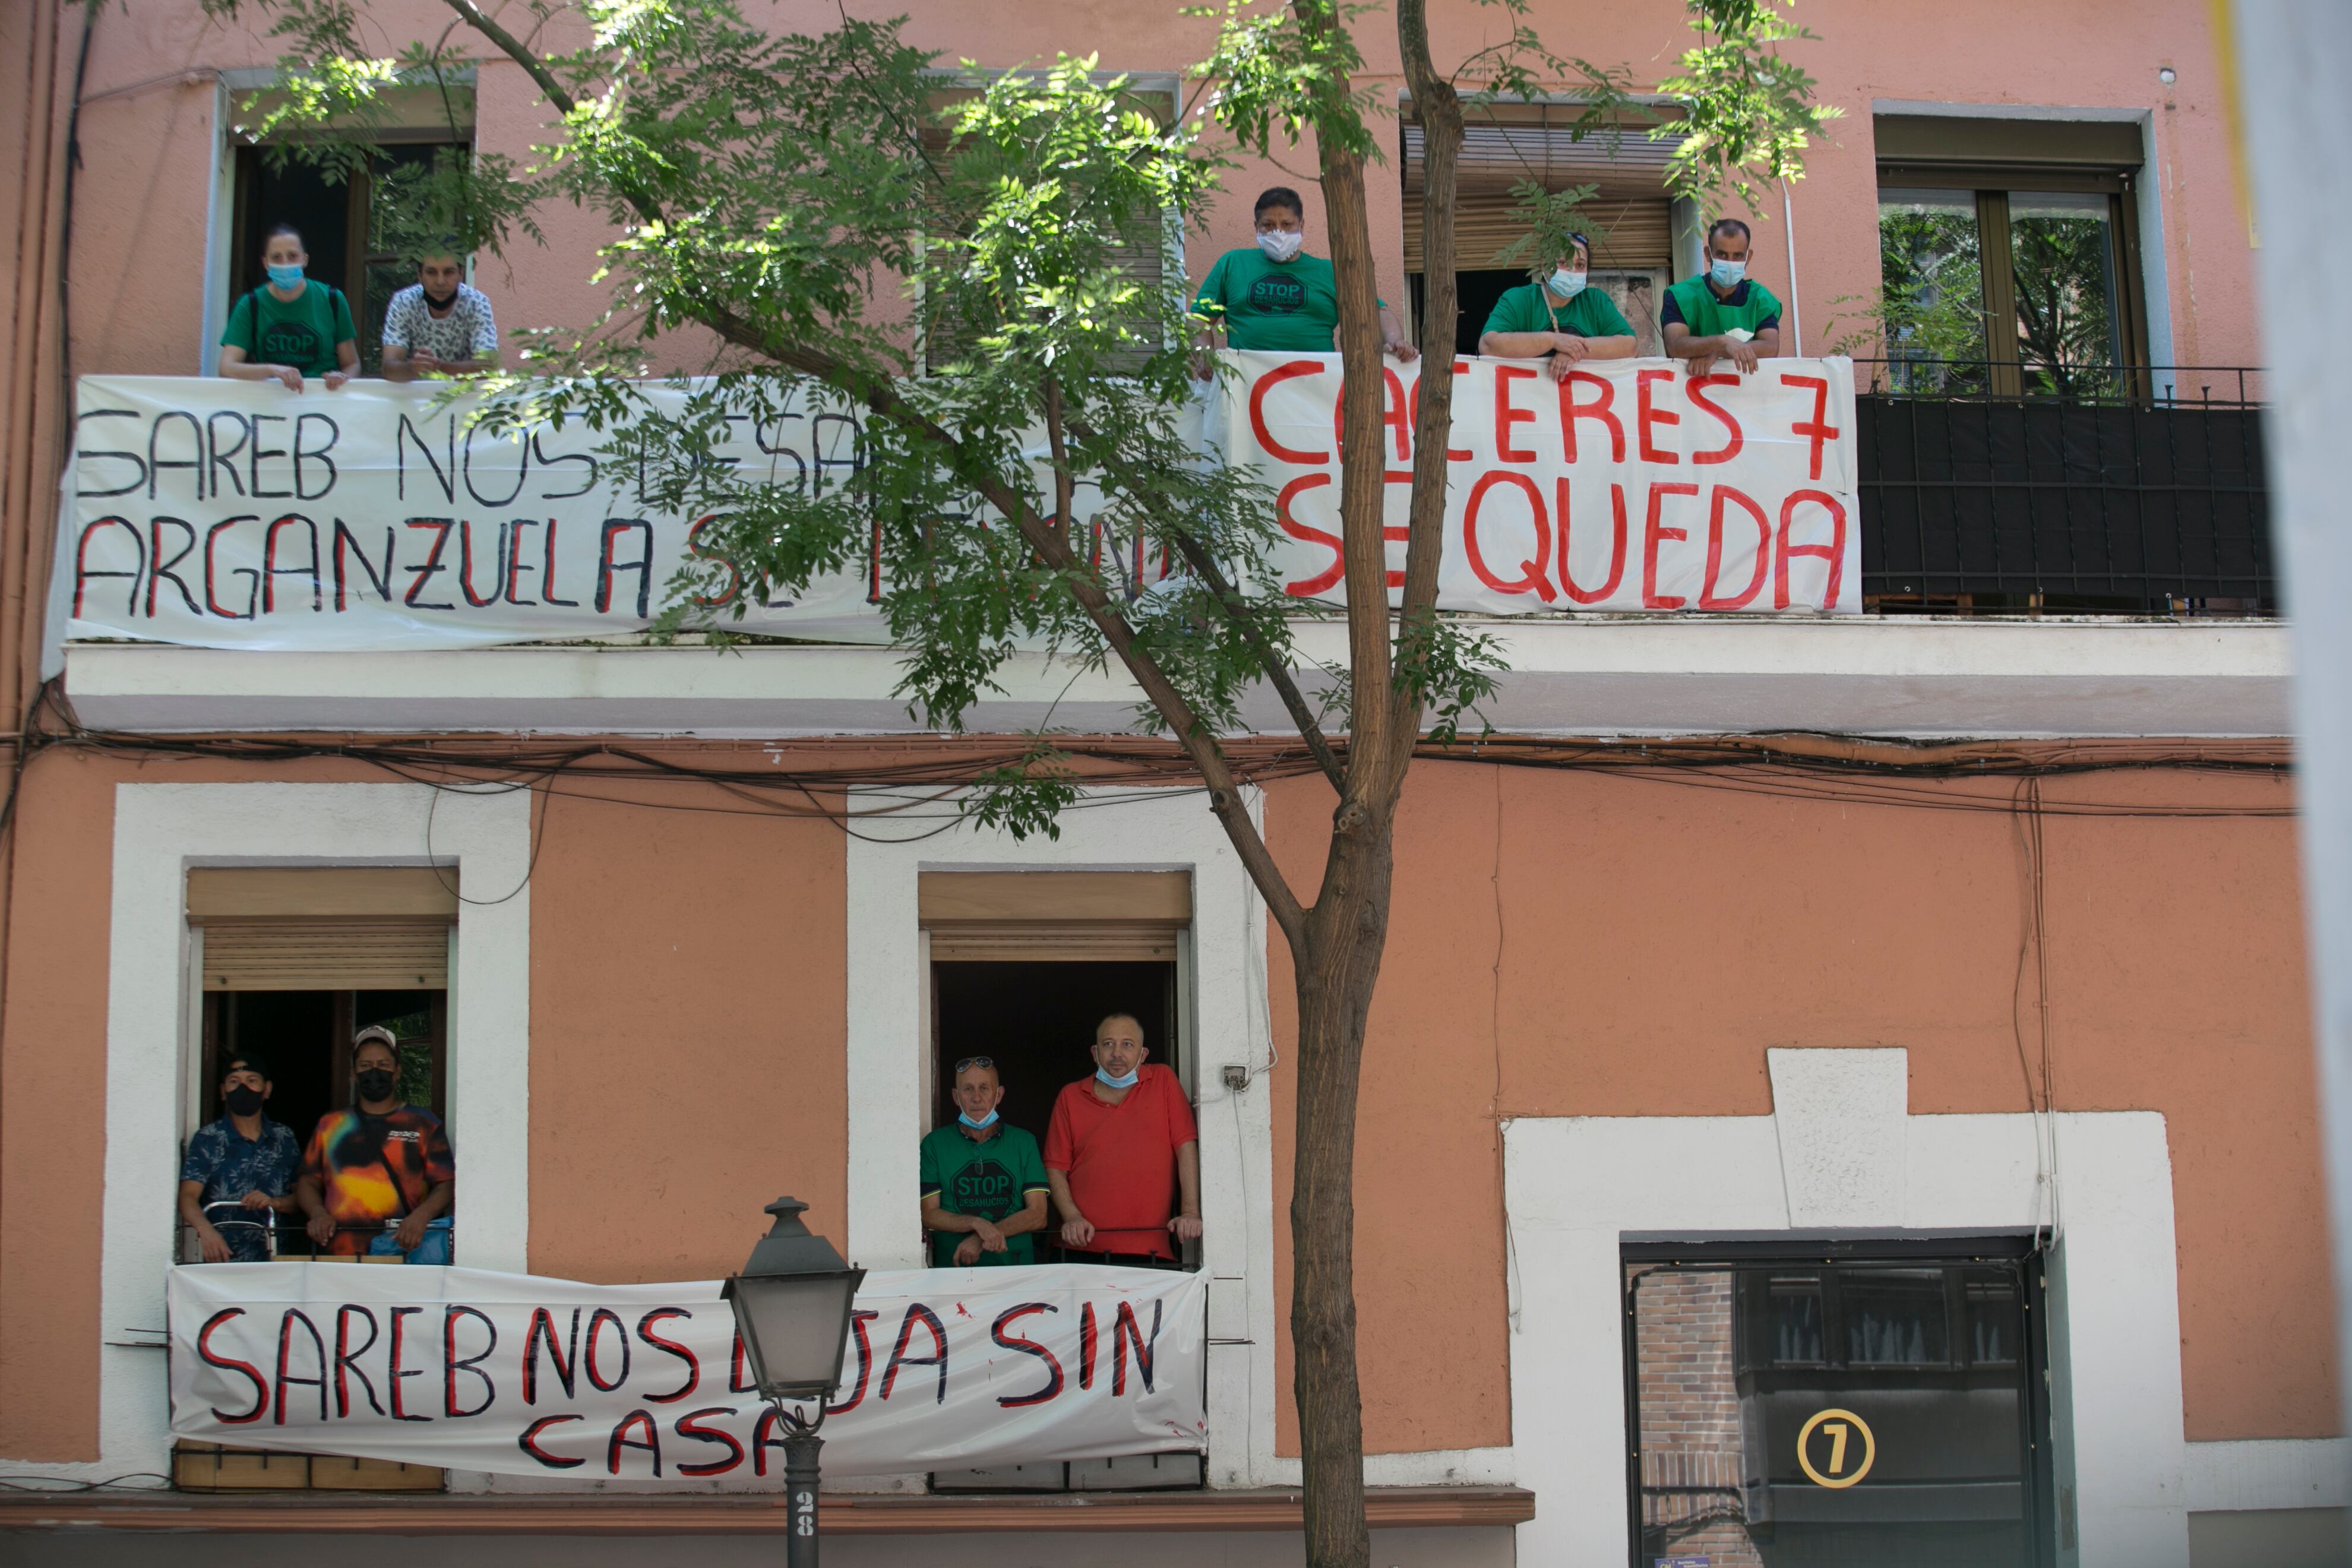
[[2131, 491]]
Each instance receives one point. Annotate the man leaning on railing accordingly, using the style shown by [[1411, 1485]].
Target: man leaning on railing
[[238, 1173], [1722, 313]]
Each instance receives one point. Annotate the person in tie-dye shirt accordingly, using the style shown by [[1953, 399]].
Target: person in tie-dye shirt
[[381, 1162]]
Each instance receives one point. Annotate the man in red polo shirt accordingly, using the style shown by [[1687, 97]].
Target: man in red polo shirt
[[1120, 1147]]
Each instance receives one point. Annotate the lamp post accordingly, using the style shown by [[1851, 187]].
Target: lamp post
[[792, 1302]]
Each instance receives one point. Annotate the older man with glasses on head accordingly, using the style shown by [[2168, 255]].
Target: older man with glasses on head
[[984, 1183]]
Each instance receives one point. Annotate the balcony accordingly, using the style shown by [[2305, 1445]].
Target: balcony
[[2134, 492], [2079, 556]]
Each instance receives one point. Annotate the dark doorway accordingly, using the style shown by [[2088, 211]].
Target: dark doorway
[[1037, 1021], [361, 230], [305, 1036], [1475, 294]]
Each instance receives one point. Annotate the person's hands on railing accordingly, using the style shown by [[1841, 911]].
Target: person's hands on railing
[[210, 1245], [1077, 1232], [322, 1228]]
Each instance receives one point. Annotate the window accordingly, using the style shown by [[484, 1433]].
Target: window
[[1633, 221], [363, 232], [293, 962], [1022, 966], [1151, 255], [1803, 1404], [2008, 257]]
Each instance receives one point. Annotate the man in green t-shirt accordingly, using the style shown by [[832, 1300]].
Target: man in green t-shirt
[[1276, 296], [983, 1180], [1557, 316], [1722, 313], [291, 327]]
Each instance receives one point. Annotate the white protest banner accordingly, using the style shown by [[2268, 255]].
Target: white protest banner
[[235, 514], [946, 1369], [380, 517], [1628, 484]]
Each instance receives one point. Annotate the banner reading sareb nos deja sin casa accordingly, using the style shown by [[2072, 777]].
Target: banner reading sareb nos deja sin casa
[[470, 1369]]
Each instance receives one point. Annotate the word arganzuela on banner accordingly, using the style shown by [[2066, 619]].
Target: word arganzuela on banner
[[237, 514], [946, 1369]]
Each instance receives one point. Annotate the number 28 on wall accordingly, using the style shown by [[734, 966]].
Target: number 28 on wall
[[1844, 1441]]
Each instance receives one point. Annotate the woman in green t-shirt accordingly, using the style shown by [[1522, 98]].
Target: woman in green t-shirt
[[1277, 297], [1558, 318], [290, 327]]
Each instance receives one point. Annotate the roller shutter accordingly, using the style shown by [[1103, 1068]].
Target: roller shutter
[[324, 928], [1054, 916], [1629, 213]]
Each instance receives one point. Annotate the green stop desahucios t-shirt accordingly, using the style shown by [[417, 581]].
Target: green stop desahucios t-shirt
[[301, 332], [992, 1179], [1590, 314], [1286, 306]]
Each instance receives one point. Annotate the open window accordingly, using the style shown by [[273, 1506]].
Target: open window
[[1023, 965], [1632, 219], [295, 961], [291, 963], [363, 230]]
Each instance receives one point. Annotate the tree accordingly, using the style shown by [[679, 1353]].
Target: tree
[[777, 194]]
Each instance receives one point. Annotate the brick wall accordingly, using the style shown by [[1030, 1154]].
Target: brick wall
[[1690, 1417]]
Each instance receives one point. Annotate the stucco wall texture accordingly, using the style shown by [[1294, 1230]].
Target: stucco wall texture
[[1561, 944], [1583, 944], [146, 204]]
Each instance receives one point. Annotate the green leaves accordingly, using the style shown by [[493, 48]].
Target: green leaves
[[1748, 109], [1286, 70]]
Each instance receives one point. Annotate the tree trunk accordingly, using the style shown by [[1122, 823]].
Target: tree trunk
[[1346, 932]]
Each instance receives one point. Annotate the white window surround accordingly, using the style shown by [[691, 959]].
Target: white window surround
[[1841, 1155], [153, 1029], [1111, 829]]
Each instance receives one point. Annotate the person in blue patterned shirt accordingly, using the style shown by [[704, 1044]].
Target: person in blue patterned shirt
[[239, 1171]]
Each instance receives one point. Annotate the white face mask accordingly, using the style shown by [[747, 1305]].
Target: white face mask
[[1281, 244], [1566, 284]]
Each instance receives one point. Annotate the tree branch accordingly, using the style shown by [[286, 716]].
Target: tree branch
[[1051, 543], [515, 49], [1440, 110]]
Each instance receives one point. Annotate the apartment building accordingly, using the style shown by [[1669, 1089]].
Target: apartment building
[[1840, 1087]]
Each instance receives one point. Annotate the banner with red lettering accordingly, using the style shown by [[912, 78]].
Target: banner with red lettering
[[1628, 485], [379, 517], [946, 1369]]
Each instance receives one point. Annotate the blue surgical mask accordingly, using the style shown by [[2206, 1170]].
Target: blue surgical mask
[[1126, 1082], [285, 276], [1727, 274], [987, 1121], [1566, 284]]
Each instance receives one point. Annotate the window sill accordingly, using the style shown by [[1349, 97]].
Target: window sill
[[1267, 1509]]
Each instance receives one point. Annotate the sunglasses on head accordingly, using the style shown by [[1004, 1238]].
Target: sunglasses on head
[[976, 1062]]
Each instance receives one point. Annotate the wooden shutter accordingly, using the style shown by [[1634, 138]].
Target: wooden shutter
[[1629, 213], [1054, 916], [325, 928]]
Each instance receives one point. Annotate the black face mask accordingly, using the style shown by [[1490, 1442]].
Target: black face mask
[[242, 1101], [439, 301], [375, 1084]]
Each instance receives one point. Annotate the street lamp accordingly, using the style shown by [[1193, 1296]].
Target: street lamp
[[792, 1302]]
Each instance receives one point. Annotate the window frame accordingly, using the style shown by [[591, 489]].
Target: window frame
[[1990, 185]]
